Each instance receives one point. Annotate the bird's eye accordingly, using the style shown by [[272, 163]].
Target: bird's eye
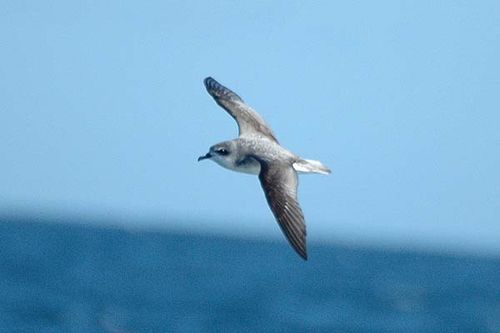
[[222, 151]]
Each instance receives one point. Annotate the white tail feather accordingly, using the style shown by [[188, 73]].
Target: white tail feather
[[311, 166]]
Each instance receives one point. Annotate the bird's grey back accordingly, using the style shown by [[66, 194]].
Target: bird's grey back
[[265, 150]]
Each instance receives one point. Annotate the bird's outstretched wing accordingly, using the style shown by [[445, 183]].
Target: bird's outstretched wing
[[280, 183], [249, 121]]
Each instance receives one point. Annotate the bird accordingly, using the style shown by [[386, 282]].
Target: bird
[[257, 151]]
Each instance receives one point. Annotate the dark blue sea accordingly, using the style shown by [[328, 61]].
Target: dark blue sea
[[67, 277]]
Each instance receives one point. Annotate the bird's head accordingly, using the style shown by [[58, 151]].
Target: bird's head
[[222, 153]]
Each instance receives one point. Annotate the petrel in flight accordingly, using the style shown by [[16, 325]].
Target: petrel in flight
[[257, 151]]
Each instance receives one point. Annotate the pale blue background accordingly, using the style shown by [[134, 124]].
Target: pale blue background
[[103, 114]]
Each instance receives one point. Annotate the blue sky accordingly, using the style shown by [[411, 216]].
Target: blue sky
[[103, 113]]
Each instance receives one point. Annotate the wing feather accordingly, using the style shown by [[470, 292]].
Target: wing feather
[[280, 187], [249, 121]]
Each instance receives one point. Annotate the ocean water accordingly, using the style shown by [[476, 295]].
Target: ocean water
[[57, 277]]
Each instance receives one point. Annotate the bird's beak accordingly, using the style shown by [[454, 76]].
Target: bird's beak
[[208, 155]]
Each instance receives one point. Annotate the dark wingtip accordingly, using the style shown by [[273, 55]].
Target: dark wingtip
[[208, 80], [302, 253], [217, 90], [211, 84]]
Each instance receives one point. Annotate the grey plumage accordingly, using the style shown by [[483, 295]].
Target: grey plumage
[[249, 121], [257, 151]]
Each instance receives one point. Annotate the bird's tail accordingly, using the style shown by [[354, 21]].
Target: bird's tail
[[311, 166]]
